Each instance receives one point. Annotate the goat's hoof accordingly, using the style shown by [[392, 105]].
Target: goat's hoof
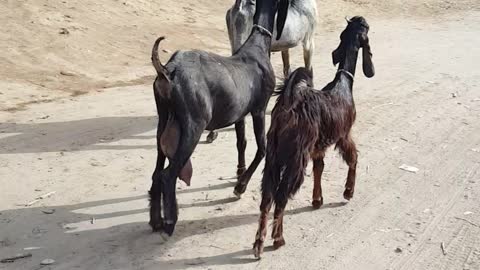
[[278, 243], [348, 194], [239, 190], [238, 195], [212, 136], [317, 203], [258, 249], [156, 226], [168, 228]]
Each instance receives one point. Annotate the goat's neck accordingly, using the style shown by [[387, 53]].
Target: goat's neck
[[349, 64], [257, 42], [260, 38]]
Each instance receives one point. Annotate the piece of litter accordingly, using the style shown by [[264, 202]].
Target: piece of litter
[[454, 95], [49, 211], [32, 202], [426, 210], [408, 168], [92, 220], [442, 246], [197, 261], [330, 235], [46, 195], [47, 262], [467, 213], [227, 177], [476, 150], [468, 221], [16, 257], [31, 248]]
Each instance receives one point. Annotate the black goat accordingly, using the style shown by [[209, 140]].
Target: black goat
[[305, 122], [197, 90]]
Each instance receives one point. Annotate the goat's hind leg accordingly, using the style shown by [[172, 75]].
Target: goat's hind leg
[[265, 207], [212, 136], [189, 137], [349, 153], [155, 193], [318, 165], [281, 199]]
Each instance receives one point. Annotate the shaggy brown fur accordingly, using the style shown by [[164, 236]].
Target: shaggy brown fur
[[305, 122]]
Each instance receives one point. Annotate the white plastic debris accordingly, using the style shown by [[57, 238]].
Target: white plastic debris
[[408, 168]]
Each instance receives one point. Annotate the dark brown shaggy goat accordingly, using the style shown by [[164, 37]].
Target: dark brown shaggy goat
[[305, 122]]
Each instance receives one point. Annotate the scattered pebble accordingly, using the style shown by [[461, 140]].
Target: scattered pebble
[[47, 262], [398, 250], [454, 95], [166, 51], [64, 31], [442, 246], [49, 211], [467, 213], [66, 73]]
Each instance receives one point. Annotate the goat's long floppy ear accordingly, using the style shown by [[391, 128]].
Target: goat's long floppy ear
[[337, 55], [282, 16], [368, 68]]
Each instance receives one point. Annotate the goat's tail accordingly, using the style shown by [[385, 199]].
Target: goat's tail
[[161, 70], [288, 89]]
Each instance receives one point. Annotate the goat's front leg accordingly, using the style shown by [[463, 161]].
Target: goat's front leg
[[349, 153], [308, 48], [318, 165], [259, 129], [286, 63], [265, 207], [241, 146]]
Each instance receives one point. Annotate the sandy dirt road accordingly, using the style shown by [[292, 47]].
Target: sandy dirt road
[[97, 152]]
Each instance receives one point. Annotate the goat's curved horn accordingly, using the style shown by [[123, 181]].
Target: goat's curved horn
[[348, 19]]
